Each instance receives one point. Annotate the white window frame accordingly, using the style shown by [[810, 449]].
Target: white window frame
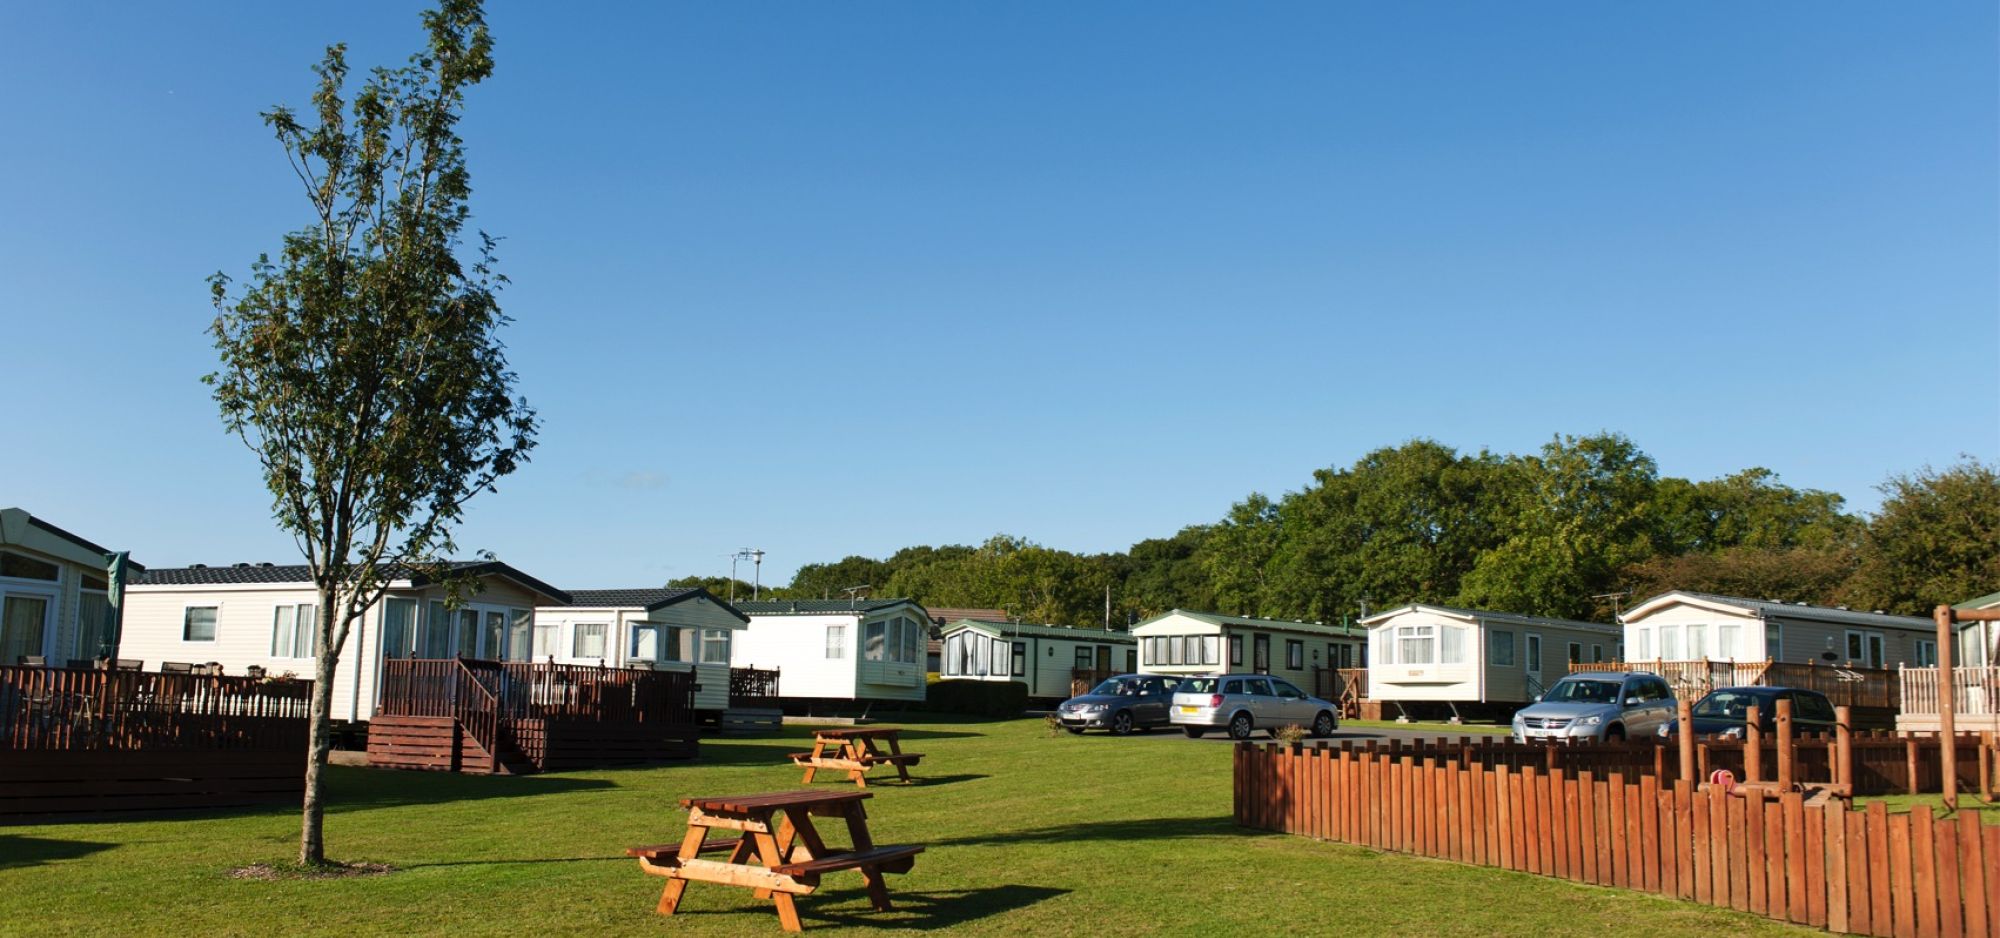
[[215, 627], [51, 595], [310, 628], [705, 653], [836, 641], [1880, 644], [1418, 634], [576, 640], [1926, 653]]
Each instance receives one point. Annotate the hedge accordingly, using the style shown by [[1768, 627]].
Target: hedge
[[978, 698]]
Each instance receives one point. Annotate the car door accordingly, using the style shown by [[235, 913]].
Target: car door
[[1151, 707], [1260, 701], [1292, 703]]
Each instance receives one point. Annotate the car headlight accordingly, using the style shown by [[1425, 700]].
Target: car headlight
[[1590, 721], [1089, 708]]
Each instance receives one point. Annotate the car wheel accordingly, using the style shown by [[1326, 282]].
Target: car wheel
[[1121, 723], [1074, 730], [1323, 725], [1193, 732], [1240, 726], [1616, 734]]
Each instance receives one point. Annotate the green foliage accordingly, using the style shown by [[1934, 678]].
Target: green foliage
[[978, 698], [1553, 533], [1936, 540], [719, 586], [363, 365]]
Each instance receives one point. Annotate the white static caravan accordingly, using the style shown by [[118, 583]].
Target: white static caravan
[[663, 629], [1047, 658], [1181, 643], [1685, 626], [55, 600], [1439, 654], [839, 649], [261, 615]]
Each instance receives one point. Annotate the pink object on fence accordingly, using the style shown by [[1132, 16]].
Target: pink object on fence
[[1723, 779]]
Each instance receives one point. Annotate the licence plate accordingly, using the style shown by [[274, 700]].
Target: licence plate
[[1189, 709]]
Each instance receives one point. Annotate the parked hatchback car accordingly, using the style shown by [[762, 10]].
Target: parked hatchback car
[[1597, 707], [1726, 710], [1245, 703], [1119, 704]]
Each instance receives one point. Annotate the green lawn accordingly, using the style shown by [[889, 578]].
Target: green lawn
[[1028, 835], [1967, 801]]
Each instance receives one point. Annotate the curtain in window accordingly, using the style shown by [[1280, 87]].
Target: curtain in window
[[1416, 644], [645, 642], [93, 624], [399, 617], [520, 623], [1451, 645], [873, 646], [437, 632], [21, 622]]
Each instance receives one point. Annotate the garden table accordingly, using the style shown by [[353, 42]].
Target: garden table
[[854, 751], [778, 857]]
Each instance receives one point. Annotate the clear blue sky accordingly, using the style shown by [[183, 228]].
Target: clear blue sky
[[839, 278]]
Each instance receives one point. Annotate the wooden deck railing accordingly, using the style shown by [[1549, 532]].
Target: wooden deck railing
[[74, 708], [1975, 690], [753, 687], [523, 690], [1846, 686]]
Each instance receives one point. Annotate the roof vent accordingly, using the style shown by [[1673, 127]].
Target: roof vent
[[267, 565], [241, 565], [197, 566]]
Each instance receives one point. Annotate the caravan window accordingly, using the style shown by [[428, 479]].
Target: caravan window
[[1499, 648], [1001, 658], [836, 641], [589, 640], [1295, 655], [1451, 645], [1416, 644], [1210, 649]]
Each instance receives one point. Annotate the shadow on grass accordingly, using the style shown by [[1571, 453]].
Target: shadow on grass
[[915, 911], [419, 866], [17, 851], [1133, 830], [356, 789]]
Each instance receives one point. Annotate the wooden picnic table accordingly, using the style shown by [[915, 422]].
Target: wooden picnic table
[[778, 857], [855, 752]]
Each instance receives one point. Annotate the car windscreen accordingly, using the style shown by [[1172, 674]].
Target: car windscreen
[[1731, 705], [1574, 691], [1120, 687]]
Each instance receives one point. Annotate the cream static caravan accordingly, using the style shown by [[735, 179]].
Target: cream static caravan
[[1050, 659], [1431, 654], [261, 614], [678, 629], [1183, 643]]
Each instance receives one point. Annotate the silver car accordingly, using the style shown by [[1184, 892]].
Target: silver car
[[1609, 706], [1245, 703]]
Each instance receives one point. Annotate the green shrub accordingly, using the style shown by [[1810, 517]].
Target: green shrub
[[978, 698]]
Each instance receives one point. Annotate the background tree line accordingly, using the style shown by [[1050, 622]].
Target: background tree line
[[1556, 533]]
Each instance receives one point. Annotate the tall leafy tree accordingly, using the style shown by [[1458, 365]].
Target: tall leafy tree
[[1584, 514], [362, 365], [1237, 555], [1935, 540]]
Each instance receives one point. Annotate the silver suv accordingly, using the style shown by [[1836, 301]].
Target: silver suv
[[1598, 707], [1244, 703]]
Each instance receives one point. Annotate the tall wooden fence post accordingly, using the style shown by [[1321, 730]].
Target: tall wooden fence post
[[1843, 747], [1947, 708], [1753, 744], [1685, 734], [1784, 745]]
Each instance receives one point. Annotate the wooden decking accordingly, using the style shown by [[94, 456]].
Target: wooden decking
[[98, 742], [489, 717]]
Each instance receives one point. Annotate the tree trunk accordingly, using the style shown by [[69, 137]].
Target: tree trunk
[[319, 739]]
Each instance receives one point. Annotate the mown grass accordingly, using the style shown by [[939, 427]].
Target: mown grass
[[1967, 801], [1028, 834]]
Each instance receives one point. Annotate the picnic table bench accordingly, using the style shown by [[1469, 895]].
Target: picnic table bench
[[855, 752], [778, 857]]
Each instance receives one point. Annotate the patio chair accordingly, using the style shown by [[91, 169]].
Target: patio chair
[[129, 664], [255, 671], [175, 667], [32, 661]]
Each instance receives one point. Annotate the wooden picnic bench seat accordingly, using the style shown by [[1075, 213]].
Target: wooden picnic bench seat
[[903, 758], [664, 853], [893, 858]]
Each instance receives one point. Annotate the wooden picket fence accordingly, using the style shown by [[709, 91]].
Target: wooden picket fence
[[1857, 872]]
